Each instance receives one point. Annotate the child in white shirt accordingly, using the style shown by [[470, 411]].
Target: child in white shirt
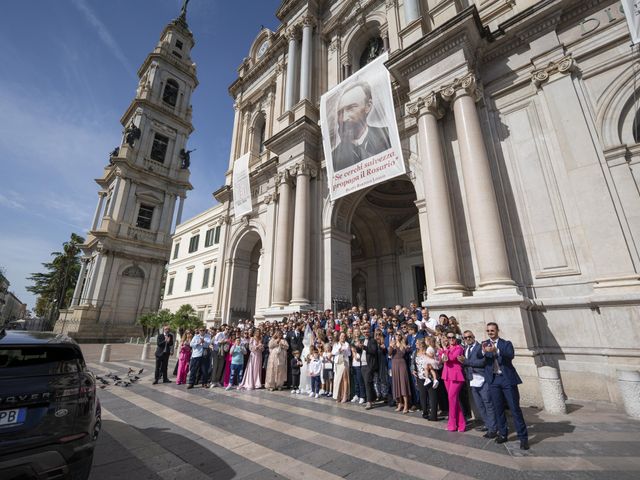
[[315, 369]]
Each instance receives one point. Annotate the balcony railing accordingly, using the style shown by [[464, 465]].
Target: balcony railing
[[141, 234]]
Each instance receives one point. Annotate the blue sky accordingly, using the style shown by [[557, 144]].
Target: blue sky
[[68, 74]]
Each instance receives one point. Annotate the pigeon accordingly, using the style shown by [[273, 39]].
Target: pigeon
[[140, 371], [103, 386], [131, 370]]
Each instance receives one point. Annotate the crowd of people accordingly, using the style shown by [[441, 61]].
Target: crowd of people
[[398, 356]]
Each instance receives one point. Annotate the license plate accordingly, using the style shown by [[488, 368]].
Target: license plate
[[12, 417]]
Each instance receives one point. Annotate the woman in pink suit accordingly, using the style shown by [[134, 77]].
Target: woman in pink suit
[[183, 359], [251, 378], [453, 376]]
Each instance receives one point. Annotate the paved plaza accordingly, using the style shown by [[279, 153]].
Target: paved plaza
[[168, 432]]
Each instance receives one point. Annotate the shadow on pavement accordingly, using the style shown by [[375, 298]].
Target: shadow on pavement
[[541, 428], [112, 460]]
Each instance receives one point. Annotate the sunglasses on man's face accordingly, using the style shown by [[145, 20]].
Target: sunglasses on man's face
[[451, 338], [467, 338]]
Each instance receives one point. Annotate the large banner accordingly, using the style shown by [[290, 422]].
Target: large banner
[[241, 186], [359, 131], [632, 12]]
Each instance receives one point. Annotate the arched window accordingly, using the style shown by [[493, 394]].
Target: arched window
[[170, 94], [259, 134], [374, 48], [263, 131]]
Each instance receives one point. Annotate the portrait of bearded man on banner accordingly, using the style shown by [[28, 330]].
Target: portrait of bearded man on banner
[[358, 139]]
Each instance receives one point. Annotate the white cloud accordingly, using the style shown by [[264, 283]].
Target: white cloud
[[22, 256], [39, 135], [12, 200], [105, 35]]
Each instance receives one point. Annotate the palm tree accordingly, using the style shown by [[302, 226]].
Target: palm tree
[[186, 318]]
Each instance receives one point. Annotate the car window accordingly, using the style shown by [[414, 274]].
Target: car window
[[38, 360]]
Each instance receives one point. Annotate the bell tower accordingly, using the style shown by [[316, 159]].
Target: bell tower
[[147, 176]]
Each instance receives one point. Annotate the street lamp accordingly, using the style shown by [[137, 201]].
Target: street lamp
[[52, 309]]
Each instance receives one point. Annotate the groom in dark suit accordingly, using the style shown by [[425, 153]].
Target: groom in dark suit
[[503, 384], [358, 139], [163, 351]]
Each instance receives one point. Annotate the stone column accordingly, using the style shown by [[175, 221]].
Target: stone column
[[281, 271], [180, 207], [114, 196], [166, 213], [301, 238], [292, 67], [91, 295], [306, 64], [83, 271], [490, 250], [235, 134], [411, 10], [96, 215], [444, 252]]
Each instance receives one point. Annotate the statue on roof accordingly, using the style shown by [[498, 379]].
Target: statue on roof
[[183, 10]]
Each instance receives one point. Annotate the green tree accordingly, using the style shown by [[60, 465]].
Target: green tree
[[151, 322], [55, 286], [186, 318]]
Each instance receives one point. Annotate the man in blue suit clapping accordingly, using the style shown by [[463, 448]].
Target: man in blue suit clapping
[[503, 384]]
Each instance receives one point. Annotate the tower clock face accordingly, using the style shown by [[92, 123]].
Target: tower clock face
[[263, 48]]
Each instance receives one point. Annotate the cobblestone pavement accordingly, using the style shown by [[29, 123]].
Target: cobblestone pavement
[[167, 432]]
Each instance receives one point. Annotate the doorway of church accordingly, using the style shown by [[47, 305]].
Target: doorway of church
[[245, 284], [387, 265]]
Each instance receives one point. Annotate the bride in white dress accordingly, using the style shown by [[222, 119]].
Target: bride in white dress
[[305, 380]]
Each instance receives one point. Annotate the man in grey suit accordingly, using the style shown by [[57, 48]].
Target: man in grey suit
[[358, 139]]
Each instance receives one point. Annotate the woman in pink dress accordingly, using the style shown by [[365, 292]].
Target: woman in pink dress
[[253, 371], [453, 377], [183, 359]]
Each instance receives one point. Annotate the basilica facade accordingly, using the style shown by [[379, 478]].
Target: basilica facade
[[520, 204]]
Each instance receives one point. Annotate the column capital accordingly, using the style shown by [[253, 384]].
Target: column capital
[[563, 66], [429, 104], [292, 32], [334, 46], [102, 193], [283, 177], [308, 21], [304, 167], [224, 220], [460, 87], [270, 197]]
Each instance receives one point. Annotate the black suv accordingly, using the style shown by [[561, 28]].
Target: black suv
[[49, 410]]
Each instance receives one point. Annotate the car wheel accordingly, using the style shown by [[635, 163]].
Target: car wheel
[[81, 469]]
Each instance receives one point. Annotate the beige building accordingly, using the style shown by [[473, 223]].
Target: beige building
[[520, 132]]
